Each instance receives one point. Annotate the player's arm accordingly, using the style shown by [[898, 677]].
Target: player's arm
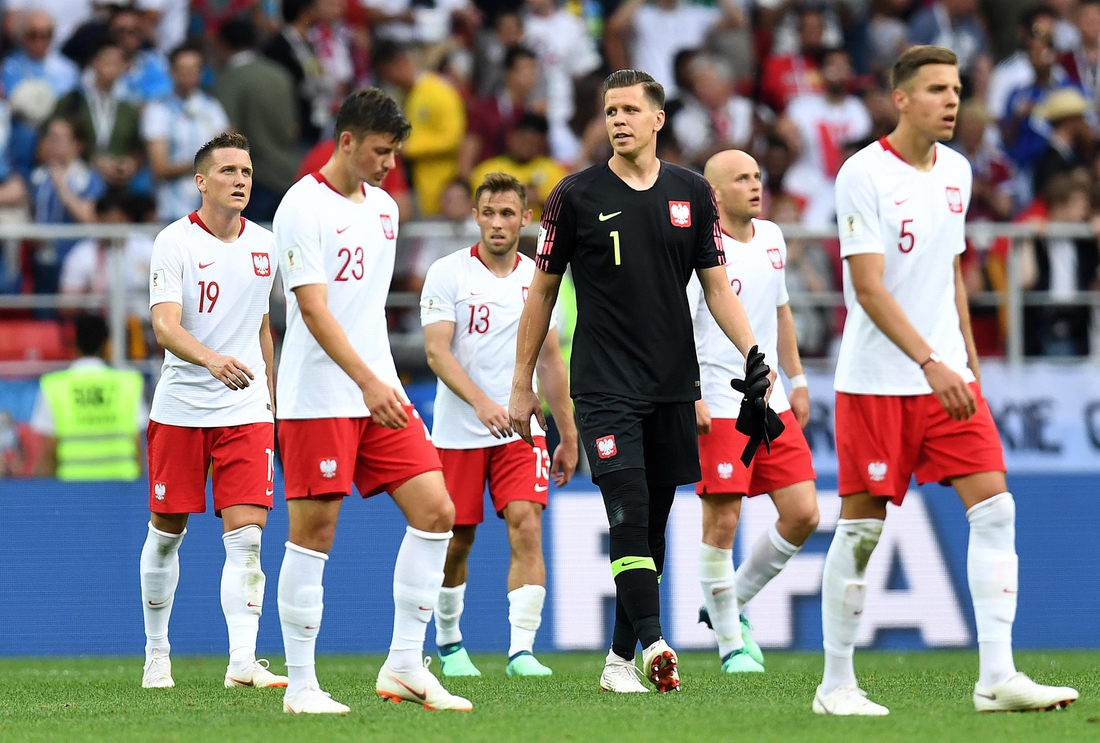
[[267, 349], [963, 304], [791, 362], [384, 402], [949, 387], [555, 386], [437, 346], [533, 326], [726, 308], [696, 302], [173, 336]]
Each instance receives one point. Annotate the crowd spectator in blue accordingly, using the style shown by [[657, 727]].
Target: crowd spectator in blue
[[954, 24], [34, 60], [146, 77]]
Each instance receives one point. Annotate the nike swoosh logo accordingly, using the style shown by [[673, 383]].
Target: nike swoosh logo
[[718, 591], [541, 488], [270, 491], [632, 562], [206, 265], [421, 695], [306, 626], [340, 232], [158, 603], [255, 606], [899, 203], [857, 613], [1009, 590], [605, 217], [991, 697], [476, 294]]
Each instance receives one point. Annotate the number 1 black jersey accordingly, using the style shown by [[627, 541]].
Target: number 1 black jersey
[[632, 254]]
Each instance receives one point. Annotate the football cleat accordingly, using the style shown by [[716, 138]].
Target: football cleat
[[419, 687], [751, 647], [659, 662], [313, 701], [525, 664], [847, 700], [621, 676], [456, 662], [1018, 693], [255, 675], [739, 661], [158, 672]]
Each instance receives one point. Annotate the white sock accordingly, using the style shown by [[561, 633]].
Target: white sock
[[843, 590], [991, 570], [301, 604], [525, 616], [768, 556], [417, 578], [719, 584], [448, 613], [160, 573], [242, 593]]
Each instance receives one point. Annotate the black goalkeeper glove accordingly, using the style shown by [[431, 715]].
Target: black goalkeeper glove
[[756, 419]]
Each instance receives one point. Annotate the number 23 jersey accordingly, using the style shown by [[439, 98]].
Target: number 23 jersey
[[224, 290], [916, 220]]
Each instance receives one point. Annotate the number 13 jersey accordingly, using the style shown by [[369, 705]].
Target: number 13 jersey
[[916, 221], [323, 237]]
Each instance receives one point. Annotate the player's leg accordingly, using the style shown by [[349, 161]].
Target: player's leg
[[658, 659], [526, 586]]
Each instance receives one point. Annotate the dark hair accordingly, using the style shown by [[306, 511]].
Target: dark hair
[[110, 200], [185, 48], [516, 53], [495, 183], [905, 69], [461, 183], [74, 126], [238, 34], [91, 333], [829, 50], [293, 9], [1029, 15], [1060, 188], [653, 90], [386, 51], [225, 140], [534, 122], [104, 44], [372, 111]]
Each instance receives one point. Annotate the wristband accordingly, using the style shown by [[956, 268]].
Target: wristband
[[799, 380]]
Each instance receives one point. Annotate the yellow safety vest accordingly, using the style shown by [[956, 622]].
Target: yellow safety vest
[[95, 411]]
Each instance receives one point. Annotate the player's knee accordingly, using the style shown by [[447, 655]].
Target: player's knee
[[462, 541], [625, 497], [801, 523], [525, 533], [438, 515]]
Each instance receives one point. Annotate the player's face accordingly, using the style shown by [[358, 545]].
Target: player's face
[[373, 157], [930, 101], [501, 216], [632, 120], [739, 194], [227, 182]]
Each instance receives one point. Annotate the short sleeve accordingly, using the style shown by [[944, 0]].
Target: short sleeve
[[437, 298], [782, 296], [709, 250], [558, 231], [857, 212], [298, 241], [165, 272], [155, 126]]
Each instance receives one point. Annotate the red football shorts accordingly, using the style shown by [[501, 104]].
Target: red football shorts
[[788, 462], [514, 471], [883, 440], [180, 457], [324, 456]]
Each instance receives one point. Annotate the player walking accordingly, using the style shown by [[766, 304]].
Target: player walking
[[755, 258], [344, 416], [470, 308], [908, 393], [634, 230], [211, 276]]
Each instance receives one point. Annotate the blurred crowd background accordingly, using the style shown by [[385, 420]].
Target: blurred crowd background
[[104, 102]]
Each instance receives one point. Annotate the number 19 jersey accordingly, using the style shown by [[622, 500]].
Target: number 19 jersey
[[323, 237]]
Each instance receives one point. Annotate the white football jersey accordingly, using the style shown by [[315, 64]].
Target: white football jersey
[[224, 289], [485, 310], [325, 238], [916, 220], [757, 273]]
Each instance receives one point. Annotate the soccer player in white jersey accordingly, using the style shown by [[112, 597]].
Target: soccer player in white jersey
[[755, 258], [211, 276], [470, 308], [909, 399], [344, 417]]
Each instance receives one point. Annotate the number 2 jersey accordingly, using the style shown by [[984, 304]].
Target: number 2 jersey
[[224, 290], [323, 237], [916, 220]]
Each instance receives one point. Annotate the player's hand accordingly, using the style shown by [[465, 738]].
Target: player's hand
[[495, 418], [386, 405], [565, 462], [772, 376], [800, 405], [523, 405], [951, 390], [702, 417], [230, 372]]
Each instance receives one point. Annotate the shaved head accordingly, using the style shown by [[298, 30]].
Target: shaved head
[[726, 163], [735, 177]]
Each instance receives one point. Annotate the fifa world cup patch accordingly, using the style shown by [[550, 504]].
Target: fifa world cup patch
[[294, 262], [261, 264], [430, 305], [851, 225], [679, 213], [156, 282], [606, 448]]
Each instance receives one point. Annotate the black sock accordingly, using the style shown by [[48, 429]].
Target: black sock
[[623, 640], [660, 506]]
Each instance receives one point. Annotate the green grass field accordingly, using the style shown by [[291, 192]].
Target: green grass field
[[928, 694]]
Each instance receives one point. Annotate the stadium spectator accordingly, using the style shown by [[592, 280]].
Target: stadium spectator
[[492, 118], [681, 72], [456, 213], [254, 92], [291, 49], [490, 49], [566, 52], [112, 123], [68, 15], [1071, 142], [785, 75], [1016, 70], [526, 159], [713, 118], [438, 119], [888, 34], [83, 42], [1066, 33], [779, 22], [35, 60], [174, 129], [992, 196], [954, 24], [775, 162], [168, 21], [146, 77], [1082, 61], [420, 21], [332, 41]]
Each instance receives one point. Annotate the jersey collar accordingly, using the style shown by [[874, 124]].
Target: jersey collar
[[321, 179], [890, 148], [475, 254], [196, 219]]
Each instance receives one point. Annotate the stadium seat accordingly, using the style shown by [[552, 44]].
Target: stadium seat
[[32, 340]]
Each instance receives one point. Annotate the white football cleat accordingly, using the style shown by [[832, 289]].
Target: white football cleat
[[313, 701], [847, 700], [256, 676], [419, 687], [621, 676], [1018, 693], [158, 672], [659, 662]]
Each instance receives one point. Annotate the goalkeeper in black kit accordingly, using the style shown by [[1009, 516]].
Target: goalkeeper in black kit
[[633, 229]]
